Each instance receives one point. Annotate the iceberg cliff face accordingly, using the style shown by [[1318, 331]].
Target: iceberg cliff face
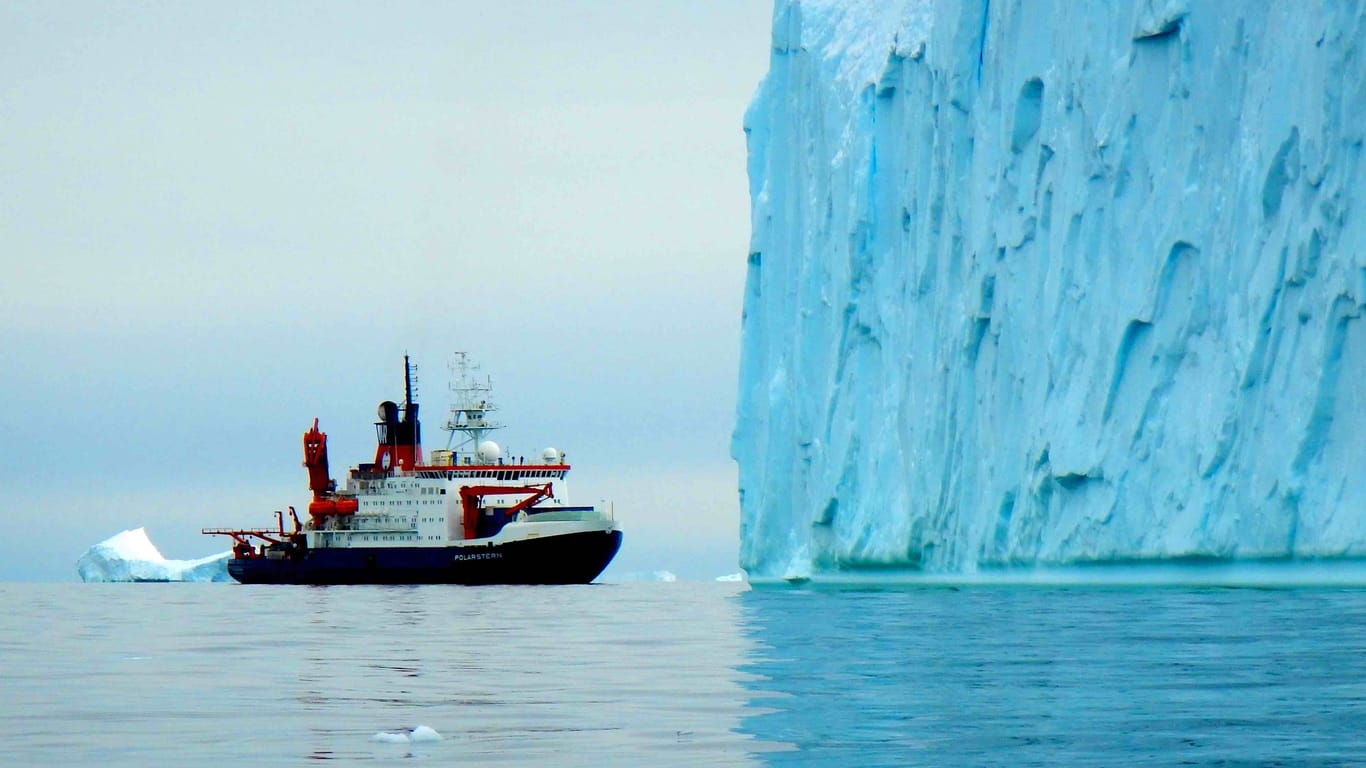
[[1040, 281]]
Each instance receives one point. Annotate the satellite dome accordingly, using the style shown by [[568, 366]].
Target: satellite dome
[[489, 452], [550, 456]]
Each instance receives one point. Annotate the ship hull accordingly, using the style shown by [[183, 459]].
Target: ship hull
[[572, 558]]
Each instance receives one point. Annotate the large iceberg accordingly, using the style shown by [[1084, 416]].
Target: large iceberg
[[1046, 281], [131, 556]]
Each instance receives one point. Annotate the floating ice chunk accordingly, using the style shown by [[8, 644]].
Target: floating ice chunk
[[732, 577], [419, 734], [131, 556], [424, 733]]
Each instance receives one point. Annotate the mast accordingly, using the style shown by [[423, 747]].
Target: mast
[[407, 384], [410, 454], [471, 406]]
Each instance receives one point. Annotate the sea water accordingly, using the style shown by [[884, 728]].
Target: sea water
[[695, 674]]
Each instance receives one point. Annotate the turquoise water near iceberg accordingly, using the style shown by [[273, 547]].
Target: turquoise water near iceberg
[[682, 674]]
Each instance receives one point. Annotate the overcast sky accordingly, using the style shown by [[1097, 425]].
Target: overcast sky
[[221, 220]]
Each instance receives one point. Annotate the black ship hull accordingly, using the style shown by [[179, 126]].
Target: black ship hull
[[572, 558]]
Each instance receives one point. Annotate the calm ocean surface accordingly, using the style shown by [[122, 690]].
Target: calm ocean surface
[[681, 674]]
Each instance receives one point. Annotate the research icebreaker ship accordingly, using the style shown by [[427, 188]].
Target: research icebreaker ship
[[466, 516]]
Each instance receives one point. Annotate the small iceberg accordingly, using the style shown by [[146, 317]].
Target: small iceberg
[[131, 556], [416, 735]]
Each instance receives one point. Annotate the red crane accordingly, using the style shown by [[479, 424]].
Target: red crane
[[472, 496]]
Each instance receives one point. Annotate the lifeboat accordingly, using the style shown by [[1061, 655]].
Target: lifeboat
[[322, 507]]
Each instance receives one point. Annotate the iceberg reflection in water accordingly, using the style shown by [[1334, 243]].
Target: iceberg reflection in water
[[1054, 675]]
